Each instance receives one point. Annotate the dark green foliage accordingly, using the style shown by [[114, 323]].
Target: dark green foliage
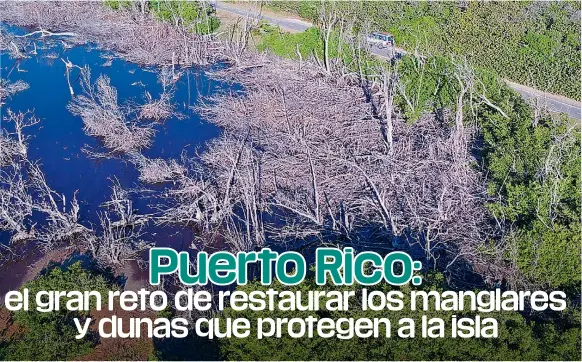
[[530, 42], [532, 164], [51, 336], [55, 340], [533, 168], [519, 338]]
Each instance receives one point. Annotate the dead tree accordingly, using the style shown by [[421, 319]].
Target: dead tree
[[21, 121], [121, 237], [161, 109], [62, 218], [24, 191], [328, 18], [103, 117], [16, 204], [156, 171], [14, 145], [235, 41], [132, 33], [8, 89], [15, 187], [303, 156], [389, 79]]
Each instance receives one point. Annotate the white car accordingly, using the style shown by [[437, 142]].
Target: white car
[[381, 40]]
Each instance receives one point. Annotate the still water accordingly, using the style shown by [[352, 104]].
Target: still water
[[57, 142]]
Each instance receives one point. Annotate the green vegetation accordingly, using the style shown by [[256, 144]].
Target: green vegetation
[[309, 43], [286, 44], [520, 338], [190, 14], [118, 4], [530, 42], [426, 86], [533, 168], [51, 336]]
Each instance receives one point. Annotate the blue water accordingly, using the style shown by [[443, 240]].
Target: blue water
[[58, 140]]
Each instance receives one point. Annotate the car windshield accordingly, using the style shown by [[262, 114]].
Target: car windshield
[[381, 37]]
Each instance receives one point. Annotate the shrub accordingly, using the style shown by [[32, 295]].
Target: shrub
[[51, 336], [518, 339], [190, 13], [533, 169], [286, 44]]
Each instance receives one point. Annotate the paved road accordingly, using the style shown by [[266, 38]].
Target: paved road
[[289, 24], [552, 102]]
